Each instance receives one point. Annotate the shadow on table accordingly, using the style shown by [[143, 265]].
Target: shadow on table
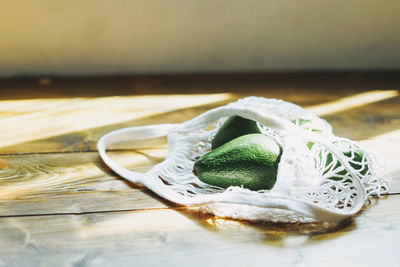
[[276, 234], [142, 84]]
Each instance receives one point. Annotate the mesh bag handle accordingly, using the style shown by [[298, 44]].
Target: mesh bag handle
[[128, 134]]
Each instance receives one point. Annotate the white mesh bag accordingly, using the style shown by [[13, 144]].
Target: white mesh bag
[[321, 177]]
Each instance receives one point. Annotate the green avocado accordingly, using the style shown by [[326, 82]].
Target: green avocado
[[356, 163], [232, 128], [250, 161]]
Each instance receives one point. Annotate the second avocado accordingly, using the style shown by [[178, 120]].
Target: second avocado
[[232, 128], [250, 161]]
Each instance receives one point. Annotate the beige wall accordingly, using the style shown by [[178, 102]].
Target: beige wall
[[111, 36]]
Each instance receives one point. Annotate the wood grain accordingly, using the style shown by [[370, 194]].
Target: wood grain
[[182, 238], [359, 123], [73, 183], [63, 125], [60, 205], [63, 183], [69, 115]]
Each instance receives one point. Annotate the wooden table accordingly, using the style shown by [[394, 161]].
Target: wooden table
[[61, 206]]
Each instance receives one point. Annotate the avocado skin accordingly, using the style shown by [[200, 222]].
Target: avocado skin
[[232, 128], [250, 161], [355, 163], [358, 156]]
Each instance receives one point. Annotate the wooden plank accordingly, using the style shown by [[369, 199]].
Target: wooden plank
[[81, 126], [73, 183], [183, 238], [68, 122], [80, 182], [69, 209], [368, 121], [75, 124]]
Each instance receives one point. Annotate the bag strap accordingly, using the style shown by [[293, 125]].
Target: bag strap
[[129, 134]]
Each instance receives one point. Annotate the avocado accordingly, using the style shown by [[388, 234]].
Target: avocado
[[232, 128], [250, 161], [356, 163]]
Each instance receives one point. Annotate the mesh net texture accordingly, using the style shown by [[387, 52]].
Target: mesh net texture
[[320, 175]]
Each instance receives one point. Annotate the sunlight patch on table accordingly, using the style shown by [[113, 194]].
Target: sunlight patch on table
[[353, 101], [140, 222], [30, 120], [386, 148], [392, 135], [31, 179]]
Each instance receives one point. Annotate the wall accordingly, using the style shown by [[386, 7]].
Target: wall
[[125, 36]]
